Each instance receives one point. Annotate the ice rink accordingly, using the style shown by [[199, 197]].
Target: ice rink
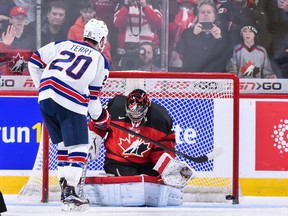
[[249, 206]]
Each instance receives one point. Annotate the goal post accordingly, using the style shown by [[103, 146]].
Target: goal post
[[205, 112]]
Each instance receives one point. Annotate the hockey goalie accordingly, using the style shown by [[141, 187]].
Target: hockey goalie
[[137, 171]]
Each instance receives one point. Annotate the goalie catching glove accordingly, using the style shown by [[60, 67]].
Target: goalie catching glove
[[97, 131], [174, 172]]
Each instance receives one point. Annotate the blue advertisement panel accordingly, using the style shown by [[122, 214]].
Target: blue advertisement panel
[[20, 132]]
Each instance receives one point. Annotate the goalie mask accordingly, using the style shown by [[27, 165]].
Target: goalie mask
[[137, 103]]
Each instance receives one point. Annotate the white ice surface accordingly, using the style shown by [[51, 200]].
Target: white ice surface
[[249, 206]]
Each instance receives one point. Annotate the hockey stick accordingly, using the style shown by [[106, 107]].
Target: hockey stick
[[215, 153], [83, 176]]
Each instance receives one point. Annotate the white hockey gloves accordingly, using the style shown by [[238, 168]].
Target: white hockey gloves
[[97, 131], [95, 142], [174, 172]]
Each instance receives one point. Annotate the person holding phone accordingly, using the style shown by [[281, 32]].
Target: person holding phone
[[201, 45]]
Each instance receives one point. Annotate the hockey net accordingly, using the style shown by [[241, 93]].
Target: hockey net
[[205, 112]]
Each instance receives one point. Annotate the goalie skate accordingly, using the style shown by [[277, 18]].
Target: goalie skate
[[72, 202]]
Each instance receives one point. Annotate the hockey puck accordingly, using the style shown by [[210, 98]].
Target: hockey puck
[[229, 197]]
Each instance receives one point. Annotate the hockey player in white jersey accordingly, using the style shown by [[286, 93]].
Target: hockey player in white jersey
[[70, 76]]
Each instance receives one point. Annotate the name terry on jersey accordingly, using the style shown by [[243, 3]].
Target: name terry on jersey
[[81, 49]]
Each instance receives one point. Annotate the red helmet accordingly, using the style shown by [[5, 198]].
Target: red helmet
[[191, 1], [137, 104]]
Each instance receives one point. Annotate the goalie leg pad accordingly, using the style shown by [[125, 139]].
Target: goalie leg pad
[[131, 191], [174, 172]]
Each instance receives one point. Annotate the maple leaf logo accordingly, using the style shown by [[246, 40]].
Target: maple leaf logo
[[133, 146], [17, 64], [247, 67]]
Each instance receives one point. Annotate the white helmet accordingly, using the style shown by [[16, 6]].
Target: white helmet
[[96, 30]]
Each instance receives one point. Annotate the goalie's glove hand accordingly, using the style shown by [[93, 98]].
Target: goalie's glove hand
[[174, 172], [95, 142], [101, 125]]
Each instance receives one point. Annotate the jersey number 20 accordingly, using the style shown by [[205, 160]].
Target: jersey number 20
[[73, 62]]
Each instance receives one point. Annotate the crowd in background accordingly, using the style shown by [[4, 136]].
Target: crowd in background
[[246, 37]]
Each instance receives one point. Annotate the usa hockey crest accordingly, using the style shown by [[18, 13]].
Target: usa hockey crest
[[134, 146]]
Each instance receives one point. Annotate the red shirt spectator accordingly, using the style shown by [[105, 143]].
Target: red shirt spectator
[[87, 12], [137, 24]]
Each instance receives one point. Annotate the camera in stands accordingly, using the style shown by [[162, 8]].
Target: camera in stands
[[130, 60]]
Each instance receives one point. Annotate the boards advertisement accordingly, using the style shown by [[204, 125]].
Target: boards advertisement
[[20, 132]]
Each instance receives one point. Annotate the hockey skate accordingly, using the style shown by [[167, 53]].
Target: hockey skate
[[63, 184], [72, 202]]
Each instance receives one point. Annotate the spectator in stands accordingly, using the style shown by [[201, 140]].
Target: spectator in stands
[[23, 38], [136, 21], [105, 10], [233, 14], [71, 7], [201, 45], [7, 38], [17, 45], [183, 19], [87, 11], [280, 59], [5, 42], [53, 27], [277, 28], [249, 59], [147, 57], [29, 5]]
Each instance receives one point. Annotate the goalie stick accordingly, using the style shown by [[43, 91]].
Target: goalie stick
[[215, 153]]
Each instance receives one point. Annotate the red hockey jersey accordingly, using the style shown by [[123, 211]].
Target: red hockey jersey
[[126, 148]]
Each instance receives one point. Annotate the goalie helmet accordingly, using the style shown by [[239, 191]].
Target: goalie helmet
[[96, 30], [137, 103]]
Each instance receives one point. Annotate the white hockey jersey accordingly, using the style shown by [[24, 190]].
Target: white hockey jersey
[[71, 73]]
